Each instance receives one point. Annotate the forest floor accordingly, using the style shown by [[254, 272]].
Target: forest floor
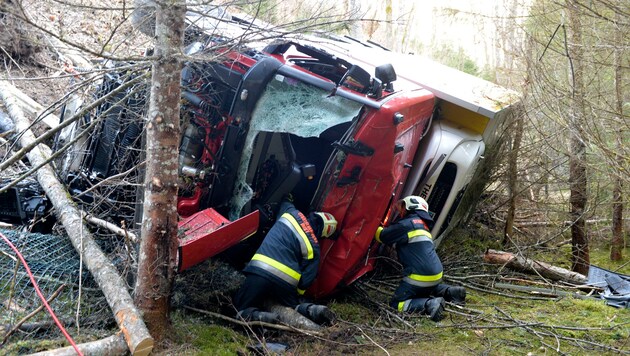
[[494, 321]]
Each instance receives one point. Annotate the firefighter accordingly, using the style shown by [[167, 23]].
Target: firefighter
[[285, 265], [421, 289]]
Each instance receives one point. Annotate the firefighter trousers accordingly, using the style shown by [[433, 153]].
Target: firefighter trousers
[[256, 290]]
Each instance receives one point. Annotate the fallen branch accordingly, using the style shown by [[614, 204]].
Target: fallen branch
[[542, 291], [31, 107], [254, 323], [487, 289], [68, 54], [17, 326], [114, 288], [292, 318], [112, 227], [527, 265], [37, 326], [112, 345]]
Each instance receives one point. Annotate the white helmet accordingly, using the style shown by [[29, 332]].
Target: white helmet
[[414, 202], [330, 224]]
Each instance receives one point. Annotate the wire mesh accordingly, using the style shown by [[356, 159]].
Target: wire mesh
[[55, 265]]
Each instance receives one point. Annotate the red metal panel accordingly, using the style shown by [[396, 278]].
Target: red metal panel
[[207, 233], [360, 207]]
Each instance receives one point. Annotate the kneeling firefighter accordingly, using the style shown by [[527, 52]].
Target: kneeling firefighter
[[285, 265], [421, 289]]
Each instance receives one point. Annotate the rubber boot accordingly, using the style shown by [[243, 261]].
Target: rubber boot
[[456, 295], [255, 314], [434, 308], [319, 314], [303, 308]]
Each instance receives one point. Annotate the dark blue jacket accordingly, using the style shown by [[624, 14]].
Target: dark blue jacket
[[290, 251], [416, 252]]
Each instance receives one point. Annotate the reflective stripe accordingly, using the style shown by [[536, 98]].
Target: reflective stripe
[[301, 291], [377, 236], [404, 305], [276, 268], [419, 236], [305, 244], [423, 281]]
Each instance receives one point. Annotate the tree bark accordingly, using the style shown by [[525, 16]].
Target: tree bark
[[135, 333], [158, 248], [512, 177], [112, 345], [617, 243], [577, 157], [527, 265]]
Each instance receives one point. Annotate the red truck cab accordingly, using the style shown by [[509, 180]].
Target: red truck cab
[[307, 123]]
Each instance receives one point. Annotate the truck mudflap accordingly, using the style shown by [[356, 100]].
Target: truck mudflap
[[207, 233]]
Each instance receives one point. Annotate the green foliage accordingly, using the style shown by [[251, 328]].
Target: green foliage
[[600, 256], [470, 241], [455, 58], [264, 10]]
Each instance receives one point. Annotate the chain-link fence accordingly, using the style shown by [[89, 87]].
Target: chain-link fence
[[25, 326]]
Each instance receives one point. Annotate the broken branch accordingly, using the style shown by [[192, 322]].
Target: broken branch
[[542, 291], [17, 326], [110, 226], [527, 265]]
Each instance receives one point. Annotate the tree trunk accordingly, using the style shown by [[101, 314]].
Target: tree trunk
[[158, 248], [617, 243], [389, 25], [512, 177], [577, 157]]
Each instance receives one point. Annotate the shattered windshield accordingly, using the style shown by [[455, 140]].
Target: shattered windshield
[[289, 106]]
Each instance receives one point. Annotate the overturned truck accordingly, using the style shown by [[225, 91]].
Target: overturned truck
[[327, 122]]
